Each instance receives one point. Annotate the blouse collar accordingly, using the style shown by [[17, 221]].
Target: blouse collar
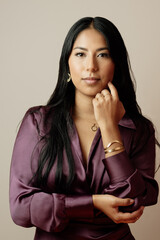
[[127, 122]]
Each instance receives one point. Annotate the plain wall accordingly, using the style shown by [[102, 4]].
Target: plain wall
[[31, 36]]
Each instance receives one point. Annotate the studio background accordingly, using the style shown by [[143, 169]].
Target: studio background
[[31, 37]]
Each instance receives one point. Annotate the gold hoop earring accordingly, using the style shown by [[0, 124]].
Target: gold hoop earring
[[69, 77]]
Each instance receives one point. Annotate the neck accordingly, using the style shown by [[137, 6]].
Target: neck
[[84, 107]]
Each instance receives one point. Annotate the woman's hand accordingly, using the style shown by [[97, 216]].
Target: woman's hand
[[109, 205], [108, 109]]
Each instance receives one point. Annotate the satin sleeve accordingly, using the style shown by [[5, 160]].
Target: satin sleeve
[[133, 175], [32, 206]]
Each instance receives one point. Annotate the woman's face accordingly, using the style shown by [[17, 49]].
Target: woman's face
[[90, 64]]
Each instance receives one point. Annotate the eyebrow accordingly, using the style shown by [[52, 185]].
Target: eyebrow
[[97, 50]]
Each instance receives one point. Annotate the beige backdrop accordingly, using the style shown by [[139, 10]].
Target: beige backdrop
[[31, 37]]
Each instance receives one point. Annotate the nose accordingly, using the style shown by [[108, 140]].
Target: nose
[[91, 64]]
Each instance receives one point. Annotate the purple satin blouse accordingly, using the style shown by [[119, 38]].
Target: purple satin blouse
[[73, 217]]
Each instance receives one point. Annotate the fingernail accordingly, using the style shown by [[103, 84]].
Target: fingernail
[[131, 201]]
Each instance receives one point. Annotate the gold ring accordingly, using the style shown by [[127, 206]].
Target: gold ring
[[107, 94]]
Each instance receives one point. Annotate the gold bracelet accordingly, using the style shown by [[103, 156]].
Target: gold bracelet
[[115, 141], [114, 149]]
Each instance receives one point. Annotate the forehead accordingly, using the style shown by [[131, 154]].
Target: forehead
[[90, 37]]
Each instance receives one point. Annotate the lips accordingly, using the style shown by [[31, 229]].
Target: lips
[[91, 78]]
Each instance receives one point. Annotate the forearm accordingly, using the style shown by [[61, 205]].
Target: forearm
[[131, 172], [110, 132], [109, 205], [48, 211], [128, 181]]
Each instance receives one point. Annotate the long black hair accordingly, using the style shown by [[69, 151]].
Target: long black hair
[[61, 101]]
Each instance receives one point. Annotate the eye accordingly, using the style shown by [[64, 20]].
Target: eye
[[104, 55], [80, 54]]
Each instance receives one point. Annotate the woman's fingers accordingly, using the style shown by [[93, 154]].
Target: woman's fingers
[[129, 217], [113, 90], [123, 202], [99, 97], [108, 108], [109, 205], [105, 92]]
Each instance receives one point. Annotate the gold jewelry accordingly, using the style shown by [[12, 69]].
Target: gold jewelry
[[107, 94], [94, 127], [115, 141], [114, 150], [69, 78]]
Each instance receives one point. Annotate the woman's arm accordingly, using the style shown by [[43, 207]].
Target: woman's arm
[[32, 206], [109, 205], [130, 176], [133, 176]]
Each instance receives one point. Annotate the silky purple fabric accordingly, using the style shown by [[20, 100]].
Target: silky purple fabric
[[59, 216]]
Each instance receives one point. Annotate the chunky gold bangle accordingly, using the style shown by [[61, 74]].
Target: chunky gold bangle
[[113, 149], [115, 141]]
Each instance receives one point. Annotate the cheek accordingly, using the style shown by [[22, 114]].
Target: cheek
[[75, 70], [109, 71], [72, 67]]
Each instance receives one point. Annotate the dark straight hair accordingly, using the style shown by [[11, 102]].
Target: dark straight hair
[[61, 101]]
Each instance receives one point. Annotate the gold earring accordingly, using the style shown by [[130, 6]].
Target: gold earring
[[69, 77]]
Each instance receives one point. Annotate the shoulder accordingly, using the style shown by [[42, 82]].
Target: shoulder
[[39, 117], [140, 130], [37, 110], [144, 126], [138, 124], [144, 134]]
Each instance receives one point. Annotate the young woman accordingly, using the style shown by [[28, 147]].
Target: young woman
[[83, 165]]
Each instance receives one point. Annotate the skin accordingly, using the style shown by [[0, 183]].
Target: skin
[[97, 101], [90, 59]]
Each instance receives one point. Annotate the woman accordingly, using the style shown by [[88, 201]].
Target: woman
[[83, 166]]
